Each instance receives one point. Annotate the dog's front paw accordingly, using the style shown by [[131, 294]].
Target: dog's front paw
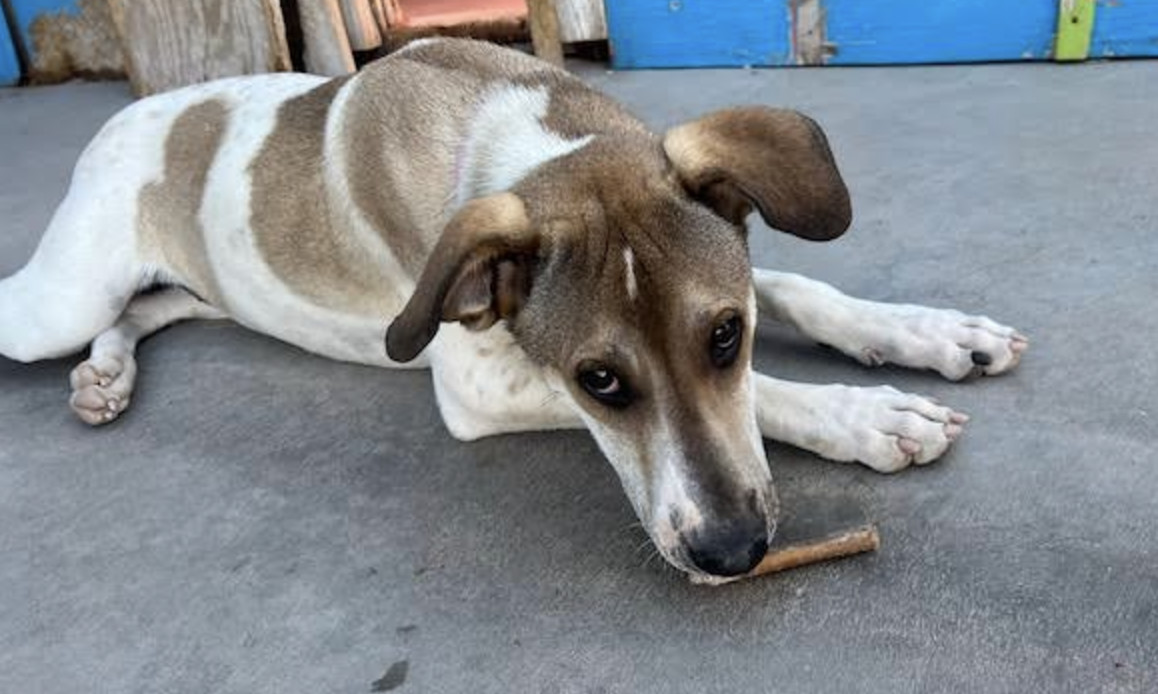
[[886, 429], [949, 342], [101, 388]]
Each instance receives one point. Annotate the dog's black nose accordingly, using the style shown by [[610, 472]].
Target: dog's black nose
[[729, 550]]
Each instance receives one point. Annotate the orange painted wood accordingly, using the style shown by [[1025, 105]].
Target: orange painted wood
[[443, 13]]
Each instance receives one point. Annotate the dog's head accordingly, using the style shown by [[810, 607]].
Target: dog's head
[[623, 269]]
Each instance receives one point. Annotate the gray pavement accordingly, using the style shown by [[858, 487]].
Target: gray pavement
[[267, 521]]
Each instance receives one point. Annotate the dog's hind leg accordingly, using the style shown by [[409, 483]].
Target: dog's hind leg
[[103, 384], [81, 277], [952, 343]]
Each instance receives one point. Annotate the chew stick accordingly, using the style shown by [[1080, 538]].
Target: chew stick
[[844, 544]]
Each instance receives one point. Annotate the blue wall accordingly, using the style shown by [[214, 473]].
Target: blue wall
[[9, 66], [710, 33], [1125, 28], [697, 33], [935, 31]]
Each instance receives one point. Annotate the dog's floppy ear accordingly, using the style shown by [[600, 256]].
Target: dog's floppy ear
[[775, 159], [478, 273]]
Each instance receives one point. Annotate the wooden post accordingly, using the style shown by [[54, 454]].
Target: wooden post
[[327, 48], [545, 31], [581, 20], [361, 26]]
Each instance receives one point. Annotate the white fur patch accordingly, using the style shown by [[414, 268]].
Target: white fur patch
[[629, 273], [487, 385], [507, 140], [416, 43]]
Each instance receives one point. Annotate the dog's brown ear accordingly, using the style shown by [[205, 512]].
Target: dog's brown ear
[[775, 159], [478, 273]]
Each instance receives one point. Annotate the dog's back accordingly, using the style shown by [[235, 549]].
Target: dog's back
[[302, 207]]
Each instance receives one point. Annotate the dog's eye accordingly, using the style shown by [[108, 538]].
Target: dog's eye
[[605, 386], [726, 341]]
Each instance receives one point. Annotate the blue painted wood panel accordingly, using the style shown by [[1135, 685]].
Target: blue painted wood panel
[[26, 11], [939, 31], [708, 33], [1125, 28], [9, 65], [697, 33]]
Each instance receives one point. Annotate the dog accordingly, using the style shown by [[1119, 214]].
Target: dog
[[553, 262]]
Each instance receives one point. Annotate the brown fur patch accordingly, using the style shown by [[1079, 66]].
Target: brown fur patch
[[292, 219], [386, 156], [776, 158], [167, 221]]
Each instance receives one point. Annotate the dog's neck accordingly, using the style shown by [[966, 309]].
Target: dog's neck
[[506, 139]]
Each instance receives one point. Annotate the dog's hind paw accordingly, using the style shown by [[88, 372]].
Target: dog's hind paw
[[101, 388]]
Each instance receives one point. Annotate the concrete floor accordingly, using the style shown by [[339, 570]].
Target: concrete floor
[[267, 521]]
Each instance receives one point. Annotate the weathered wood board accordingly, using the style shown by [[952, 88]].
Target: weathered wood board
[[361, 25], [169, 45], [581, 20], [544, 22], [326, 49]]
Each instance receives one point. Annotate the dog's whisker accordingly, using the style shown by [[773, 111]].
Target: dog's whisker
[[551, 397], [634, 525], [651, 557]]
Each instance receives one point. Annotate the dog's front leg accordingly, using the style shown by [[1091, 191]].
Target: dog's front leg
[[952, 343], [486, 386], [881, 427]]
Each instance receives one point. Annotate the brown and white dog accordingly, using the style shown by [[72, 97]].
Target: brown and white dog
[[453, 186]]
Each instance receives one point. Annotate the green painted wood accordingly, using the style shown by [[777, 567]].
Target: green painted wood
[[1075, 26]]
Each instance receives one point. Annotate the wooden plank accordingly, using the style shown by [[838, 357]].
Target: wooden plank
[[361, 26], [545, 31], [581, 20], [9, 65], [169, 45], [382, 12], [1075, 24], [327, 46], [809, 24], [919, 31], [1125, 28], [698, 33]]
